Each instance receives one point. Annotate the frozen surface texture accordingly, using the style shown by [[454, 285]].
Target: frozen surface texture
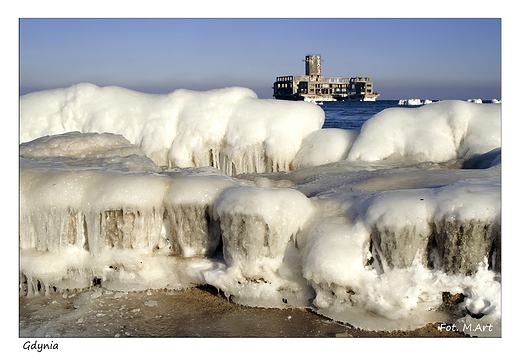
[[230, 129], [379, 228], [437, 132], [258, 223]]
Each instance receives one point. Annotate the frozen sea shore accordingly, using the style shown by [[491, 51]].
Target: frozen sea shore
[[377, 227]]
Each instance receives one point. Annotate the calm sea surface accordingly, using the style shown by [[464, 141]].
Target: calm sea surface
[[352, 115]]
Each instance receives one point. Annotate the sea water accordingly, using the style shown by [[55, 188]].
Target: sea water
[[352, 115], [375, 214]]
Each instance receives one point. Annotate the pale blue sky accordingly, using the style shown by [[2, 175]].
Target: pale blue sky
[[406, 58]]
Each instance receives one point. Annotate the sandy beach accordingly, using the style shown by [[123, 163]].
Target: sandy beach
[[197, 312]]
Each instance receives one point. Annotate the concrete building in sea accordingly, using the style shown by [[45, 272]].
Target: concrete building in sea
[[313, 87]]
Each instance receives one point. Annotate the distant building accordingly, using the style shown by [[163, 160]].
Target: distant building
[[313, 87]]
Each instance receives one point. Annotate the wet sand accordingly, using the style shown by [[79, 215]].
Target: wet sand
[[199, 312]]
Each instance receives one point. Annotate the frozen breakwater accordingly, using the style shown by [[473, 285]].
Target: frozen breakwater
[[230, 128], [377, 227]]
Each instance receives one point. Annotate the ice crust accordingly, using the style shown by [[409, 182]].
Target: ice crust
[[230, 129], [401, 212], [436, 132], [257, 225], [234, 131]]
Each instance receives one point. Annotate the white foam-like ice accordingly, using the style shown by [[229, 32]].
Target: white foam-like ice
[[229, 128], [403, 213], [437, 132], [324, 146]]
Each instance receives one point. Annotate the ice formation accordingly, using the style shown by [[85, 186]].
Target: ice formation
[[230, 129], [376, 227], [437, 132], [411, 102], [324, 146]]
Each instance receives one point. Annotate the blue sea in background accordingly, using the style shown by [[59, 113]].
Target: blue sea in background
[[352, 115]]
